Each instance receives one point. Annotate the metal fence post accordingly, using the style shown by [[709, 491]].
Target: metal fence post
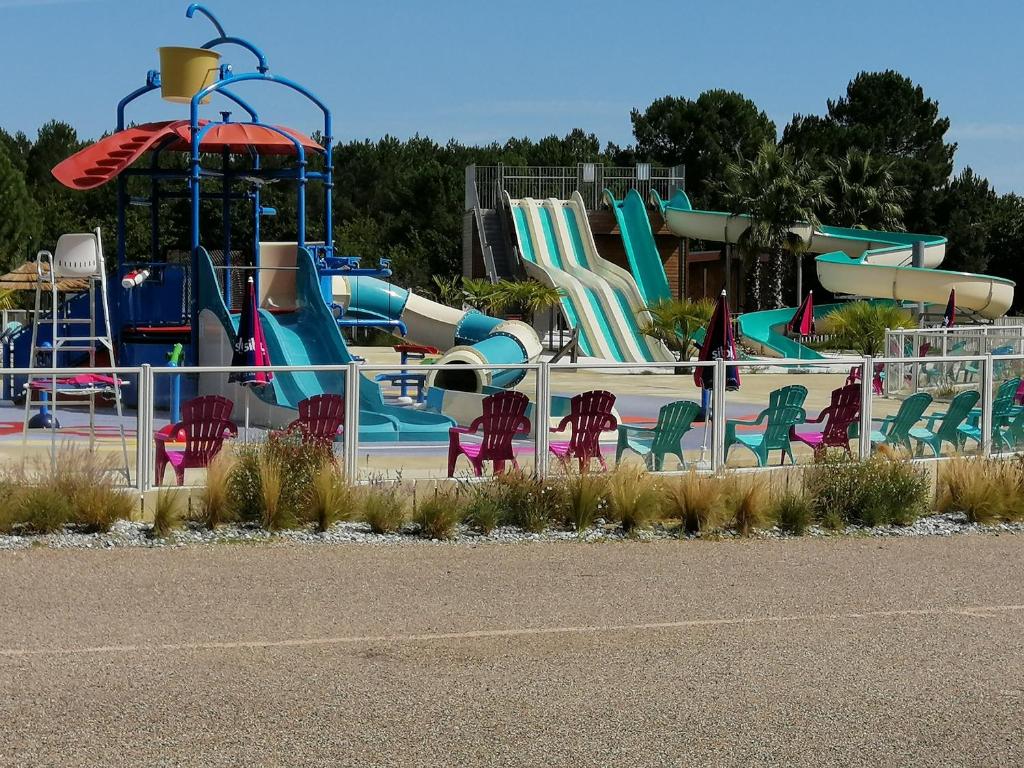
[[143, 427], [542, 419], [987, 400], [718, 418], [351, 434], [867, 394]]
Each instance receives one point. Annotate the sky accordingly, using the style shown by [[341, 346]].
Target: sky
[[485, 71]]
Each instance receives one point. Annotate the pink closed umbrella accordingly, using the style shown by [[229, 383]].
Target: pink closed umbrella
[[250, 349]]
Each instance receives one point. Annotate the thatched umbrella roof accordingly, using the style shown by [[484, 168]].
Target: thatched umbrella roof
[[24, 278]]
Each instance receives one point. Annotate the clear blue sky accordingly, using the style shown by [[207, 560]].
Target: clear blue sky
[[482, 71]]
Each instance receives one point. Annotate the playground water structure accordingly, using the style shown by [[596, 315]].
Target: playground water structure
[[638, 242], [600, 298], [860, 262]]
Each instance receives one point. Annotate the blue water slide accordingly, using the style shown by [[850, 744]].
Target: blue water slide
[[310, 336]]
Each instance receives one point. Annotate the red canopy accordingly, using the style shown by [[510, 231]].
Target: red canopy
[[100, 162]]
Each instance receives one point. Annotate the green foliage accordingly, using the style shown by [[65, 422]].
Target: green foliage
[[523, 297], [969, 208], [793, 513], [582, 499], [860, 325], [383, 507], [675, 321], [778, 190], [526, 502], [880, 491], [438, 516], [44, 509], [19, 224], [483, 512], [298, 461], [862, 192], [704, 134]]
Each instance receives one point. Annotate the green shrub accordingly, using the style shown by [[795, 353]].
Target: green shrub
[[439, 515], [633, 498], [525, 502], [880, 491], [793, 513], [384, 507], [167, 512], [44, 509], [330, 498], [696, 500], [582, 499], [298, 462], [482, 511], [747, 505]]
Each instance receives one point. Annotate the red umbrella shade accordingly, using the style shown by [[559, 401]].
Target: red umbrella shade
[[719, 344], [250, 345], [802, 322], [949, 316]]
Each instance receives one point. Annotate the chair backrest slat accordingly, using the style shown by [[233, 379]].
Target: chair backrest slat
[[590, 414], [206, 419], [504, 414]]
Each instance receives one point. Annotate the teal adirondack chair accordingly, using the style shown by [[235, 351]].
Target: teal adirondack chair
[[895, 430], [1003, 413], [785, 410], [937, 372], [1013, 436], [971, 370], [665, 437], [945, 427]]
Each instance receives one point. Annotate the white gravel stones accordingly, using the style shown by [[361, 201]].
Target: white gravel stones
[[134, 534]]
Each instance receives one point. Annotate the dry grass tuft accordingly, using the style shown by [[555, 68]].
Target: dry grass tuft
[[168, 512], [583, 499], [697, 501], [384, 508], [747, 502], [633, 496], [214, 500], [331, 499]]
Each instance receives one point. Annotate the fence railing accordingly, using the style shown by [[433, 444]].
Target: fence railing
[[884, 383], [485, 183]]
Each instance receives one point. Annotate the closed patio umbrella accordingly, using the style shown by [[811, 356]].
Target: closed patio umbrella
[[250, 345]]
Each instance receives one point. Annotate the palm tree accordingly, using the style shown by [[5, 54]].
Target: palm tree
[[863, 193], [778, 190], [450, 290], [861, 325], [525, 298], [479, 293], [675, 321]]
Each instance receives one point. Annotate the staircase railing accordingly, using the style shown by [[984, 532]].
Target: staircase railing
[[473, 201]]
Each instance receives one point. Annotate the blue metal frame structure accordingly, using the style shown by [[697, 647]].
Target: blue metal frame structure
[[327, 262]]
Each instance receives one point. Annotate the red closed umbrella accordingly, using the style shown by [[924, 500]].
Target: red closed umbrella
[[250, 349], [802, 322]]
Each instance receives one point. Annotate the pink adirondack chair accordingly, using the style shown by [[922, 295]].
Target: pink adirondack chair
[[321, 418], [842, 411], [876, 378], [206, 423], [503, 418], [590, 414]]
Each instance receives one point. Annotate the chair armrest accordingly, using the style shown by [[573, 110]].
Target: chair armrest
[[819, 418], [625, 428], [231, 428], [170, 435], [746, 422], [562, 424]]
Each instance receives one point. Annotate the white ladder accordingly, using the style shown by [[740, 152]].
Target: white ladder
[[78, 257]]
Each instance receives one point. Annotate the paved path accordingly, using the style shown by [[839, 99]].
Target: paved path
[[792, 653]]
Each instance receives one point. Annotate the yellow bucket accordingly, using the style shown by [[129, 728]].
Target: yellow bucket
[[186, 71]]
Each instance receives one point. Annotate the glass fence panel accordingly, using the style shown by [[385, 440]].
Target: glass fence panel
[[70, 424]]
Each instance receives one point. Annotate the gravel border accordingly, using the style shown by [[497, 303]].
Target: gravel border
[[136, 534]]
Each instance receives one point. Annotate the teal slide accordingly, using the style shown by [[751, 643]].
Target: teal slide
[[310, 336], [638, 240]]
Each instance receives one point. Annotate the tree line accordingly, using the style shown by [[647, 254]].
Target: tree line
[[878, 156]]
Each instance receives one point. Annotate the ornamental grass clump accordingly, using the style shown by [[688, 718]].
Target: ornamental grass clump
[[985, 490], [582, 499], [168, 512], [634, 500], [438, 516], [697, 501], [298, 462], [217, 500], [482, 512], [43, 509], [383, 506], [747, 504], [275, 514], [793, 513], [87, 479], [331, 499]]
